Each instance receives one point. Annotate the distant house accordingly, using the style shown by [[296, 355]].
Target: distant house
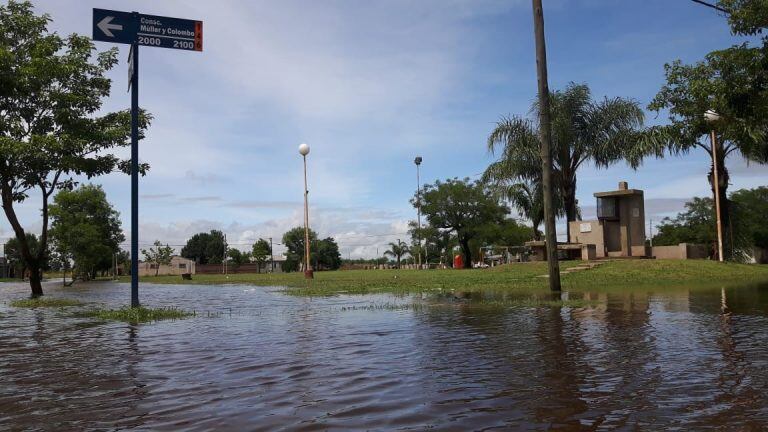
[[5, 270], [179, 265]]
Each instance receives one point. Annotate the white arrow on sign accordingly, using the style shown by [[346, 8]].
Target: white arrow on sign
[[106, 26]]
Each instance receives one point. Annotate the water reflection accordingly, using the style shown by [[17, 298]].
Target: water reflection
[[674, 358]]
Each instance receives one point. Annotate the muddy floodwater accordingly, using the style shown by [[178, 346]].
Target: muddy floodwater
[[256, 359]]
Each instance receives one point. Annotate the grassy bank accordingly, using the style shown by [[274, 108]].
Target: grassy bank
[[136, 315], [44, 302], [611, 275]]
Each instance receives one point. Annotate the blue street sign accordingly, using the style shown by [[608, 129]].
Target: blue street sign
[[114, 26], [148, 30]]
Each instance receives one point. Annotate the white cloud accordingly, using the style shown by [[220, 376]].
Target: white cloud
[[356, 236]]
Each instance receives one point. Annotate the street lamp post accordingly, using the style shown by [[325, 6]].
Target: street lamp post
[[308, 273], [271, 257], [712, 117], [417, 161]]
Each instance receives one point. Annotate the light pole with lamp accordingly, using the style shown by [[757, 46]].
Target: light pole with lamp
[[308, 273], [417, 161], [713, 117]]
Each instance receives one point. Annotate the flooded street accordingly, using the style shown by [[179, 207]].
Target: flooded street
[[256, 359]]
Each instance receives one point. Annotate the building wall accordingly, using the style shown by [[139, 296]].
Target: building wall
[[632, 225], [669, 252], [4, 270], [593, 234], [696, 251], [178, 266], [636, 228], [680, 251]]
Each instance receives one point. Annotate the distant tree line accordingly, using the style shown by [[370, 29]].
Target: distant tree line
[[696, 224], [211, 248]]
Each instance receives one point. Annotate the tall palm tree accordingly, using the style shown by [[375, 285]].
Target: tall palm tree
[[583, 131], [528, 198], [526, 195], [397, 250]]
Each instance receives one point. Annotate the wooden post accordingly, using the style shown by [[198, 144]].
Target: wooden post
[[545, 132]]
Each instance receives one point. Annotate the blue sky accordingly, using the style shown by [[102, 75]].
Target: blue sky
[[370, 85]]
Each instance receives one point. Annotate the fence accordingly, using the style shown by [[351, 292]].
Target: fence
[[232, 269]]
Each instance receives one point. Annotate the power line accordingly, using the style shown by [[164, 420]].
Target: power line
[[713, 6]]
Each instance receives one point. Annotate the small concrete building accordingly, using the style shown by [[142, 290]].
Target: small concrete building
[[619, 230], [178, 266]]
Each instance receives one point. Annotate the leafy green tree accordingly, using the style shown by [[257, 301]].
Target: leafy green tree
[[583, 131], [695, 225], [507, 233], [462, 207], [734, 83], [51, 124], [746, 17], [750, 206], [86, 228], [16, 259], [527, 197], [397, 251], [326, 254], [292, 263], [205, 248], [293, 240], [158, 255], [261, 252], [437, 243], [123, 260], [237, 257]]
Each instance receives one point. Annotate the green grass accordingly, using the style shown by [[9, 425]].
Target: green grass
[[44, 302], [619, 274], [531, 302], [136, 315], [9, 280]]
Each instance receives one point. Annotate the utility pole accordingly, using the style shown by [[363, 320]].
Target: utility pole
[[417, 161], [650, 229], [545, 132]]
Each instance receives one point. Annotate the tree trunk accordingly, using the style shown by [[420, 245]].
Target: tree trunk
[[467, 253], [569, 202], [28, 259], [536, 233], [35, 281]]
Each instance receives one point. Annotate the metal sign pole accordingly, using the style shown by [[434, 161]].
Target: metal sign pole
[[133, 28], [135, 176]]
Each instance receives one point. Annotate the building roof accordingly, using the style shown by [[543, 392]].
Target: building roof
[[618, 193]]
